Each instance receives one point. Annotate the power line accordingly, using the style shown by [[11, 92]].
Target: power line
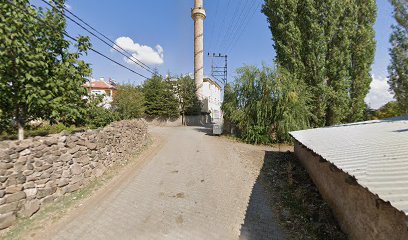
[[74, 39], [238, 36], [128, 55], [213, 25], [233, 22], [223, 22]]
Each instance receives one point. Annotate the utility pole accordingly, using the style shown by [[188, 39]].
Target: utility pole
[[217, 71], [198, 14]]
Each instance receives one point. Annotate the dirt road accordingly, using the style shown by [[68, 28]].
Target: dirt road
[[195, 186]]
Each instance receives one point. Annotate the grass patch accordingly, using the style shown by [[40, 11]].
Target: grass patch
[[42, 131]]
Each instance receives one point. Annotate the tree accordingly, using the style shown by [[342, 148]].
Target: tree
[[328, 46], [266, 104], [186, 92], [40, 77], [389, 110], [95, 115], [398, 68], [160, 98], [129, 102]]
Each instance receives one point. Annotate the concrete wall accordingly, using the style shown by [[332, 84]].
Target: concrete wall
[[360, 213], [199, 120], [37, 171]]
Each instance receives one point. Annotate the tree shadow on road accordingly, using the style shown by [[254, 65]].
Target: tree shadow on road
[[285, 204], [261, 220], [207, 129]]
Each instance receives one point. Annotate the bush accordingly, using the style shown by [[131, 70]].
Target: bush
[[129, 102], [97, 116]]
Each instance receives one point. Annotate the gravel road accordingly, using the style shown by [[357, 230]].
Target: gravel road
[[194, 186]]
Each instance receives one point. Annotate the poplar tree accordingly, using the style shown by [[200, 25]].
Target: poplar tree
[[329, 46], [40, 77], [398, 68]]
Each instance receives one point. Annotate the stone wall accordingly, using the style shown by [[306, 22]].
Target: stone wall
[[360, 213], [37, 171]]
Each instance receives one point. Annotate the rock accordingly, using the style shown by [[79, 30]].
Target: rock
[[15, 197], [15, 179], [45, 192], [30, 208], [73, 150], [30, 193], [72, 188], [76, 169], [9, 207], [66, 173], [51, 141], [65, 158], [29, 185], [63, 182], [39, 154], [2, 193], [4, 165], [3, 179], [14, 189], [84, 160], [6, 220], [25, 152], [77, 178], [47, 200], [30, 166], [91, 146], [28, 172], [38, 163]]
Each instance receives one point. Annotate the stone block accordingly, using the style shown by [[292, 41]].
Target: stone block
[[63, 182], [31, 192], [6, 220], [46, 192], [51, 141], [47, 200], [8, 207], [25, 152], [73, 150], [72, 187], [14, 189], [29, 208], [15, 197], [76, 169], [29, 185]]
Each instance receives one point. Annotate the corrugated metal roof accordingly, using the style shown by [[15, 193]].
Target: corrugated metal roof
[[374, 152]]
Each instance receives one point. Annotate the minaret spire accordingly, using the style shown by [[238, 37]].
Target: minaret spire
[[198, 14]]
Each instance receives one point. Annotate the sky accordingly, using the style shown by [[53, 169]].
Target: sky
[[160, 34]]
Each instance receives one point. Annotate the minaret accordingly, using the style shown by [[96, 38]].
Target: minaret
[[198, 15]]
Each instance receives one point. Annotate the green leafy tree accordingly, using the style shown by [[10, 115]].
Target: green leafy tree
[[328, 46], [398, 68], [389, 110], [186, 92], [40, 77], [129, 102], [265, 104], [95, 115], [160, 98]]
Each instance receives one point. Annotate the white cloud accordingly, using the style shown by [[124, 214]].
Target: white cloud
[[379, 93], [143, 53], [68, 6]]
